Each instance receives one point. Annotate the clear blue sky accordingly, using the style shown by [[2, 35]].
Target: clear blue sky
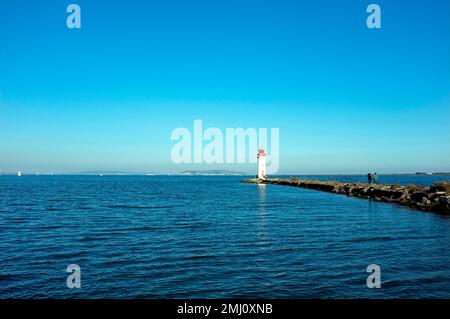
[[346, 99]]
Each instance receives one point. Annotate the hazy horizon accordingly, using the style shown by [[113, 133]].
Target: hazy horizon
[[107, 172]]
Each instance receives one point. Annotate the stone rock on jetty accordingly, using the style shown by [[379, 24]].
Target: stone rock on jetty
[[435, 198]]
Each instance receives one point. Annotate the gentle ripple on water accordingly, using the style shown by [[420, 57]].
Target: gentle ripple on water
[[186, 237]]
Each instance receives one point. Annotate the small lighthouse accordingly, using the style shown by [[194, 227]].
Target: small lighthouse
[[261, 164]]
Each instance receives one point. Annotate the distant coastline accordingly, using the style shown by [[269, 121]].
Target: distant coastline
[[123, 173], [214, 172], [438, 173]]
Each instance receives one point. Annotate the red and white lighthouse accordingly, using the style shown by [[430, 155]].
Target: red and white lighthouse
[[261, 164]]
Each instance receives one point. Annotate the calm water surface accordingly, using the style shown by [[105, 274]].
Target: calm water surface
[[188, 237]]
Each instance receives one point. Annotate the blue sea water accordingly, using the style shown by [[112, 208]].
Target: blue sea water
[[213, 237]]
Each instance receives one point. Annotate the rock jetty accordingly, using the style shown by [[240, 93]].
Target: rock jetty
[[435, 198]]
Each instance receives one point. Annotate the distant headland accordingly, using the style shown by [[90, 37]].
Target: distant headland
[[212, 172], [438, 173]]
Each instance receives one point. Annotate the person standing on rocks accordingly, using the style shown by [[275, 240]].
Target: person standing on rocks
[[369, 178]]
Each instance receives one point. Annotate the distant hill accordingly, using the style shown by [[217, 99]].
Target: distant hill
[[212, 172], [436, 173], [112, 173]]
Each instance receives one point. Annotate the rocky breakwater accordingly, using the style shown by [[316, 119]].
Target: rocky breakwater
[[435, 198]]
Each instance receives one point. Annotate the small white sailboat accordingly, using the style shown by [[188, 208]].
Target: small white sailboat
[[19, 173]]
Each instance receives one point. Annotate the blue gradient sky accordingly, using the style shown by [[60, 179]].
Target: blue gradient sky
[[346, 99]]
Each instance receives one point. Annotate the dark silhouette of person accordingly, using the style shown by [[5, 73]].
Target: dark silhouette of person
[[369, 178]]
